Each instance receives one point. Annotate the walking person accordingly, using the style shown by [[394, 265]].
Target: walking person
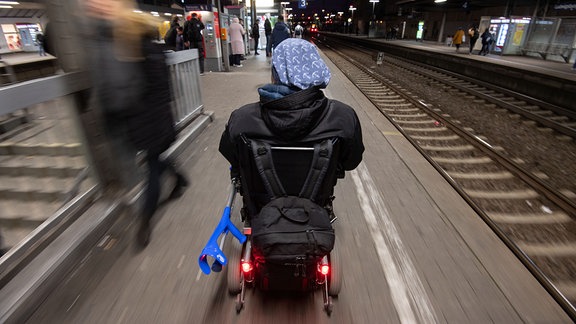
[[131, 85], [458, 39], [256, 36], [268, 33], [237, 32], [40, 41], [280, 32], [193, 36], [486, 42], [180, 43], [474, 35], [170, 36], [298, 31]]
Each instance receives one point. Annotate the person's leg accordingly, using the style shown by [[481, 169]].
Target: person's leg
[[200, 56], [152, 195], [181, 180]]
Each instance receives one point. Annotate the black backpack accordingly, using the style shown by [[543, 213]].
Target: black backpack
[[289, 229]]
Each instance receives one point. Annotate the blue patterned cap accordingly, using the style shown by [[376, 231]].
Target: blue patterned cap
[[298, 64]]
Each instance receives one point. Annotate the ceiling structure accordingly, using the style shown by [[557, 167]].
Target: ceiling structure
[[23, 10]]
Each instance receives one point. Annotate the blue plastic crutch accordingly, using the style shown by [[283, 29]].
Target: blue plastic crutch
[[212, 249]]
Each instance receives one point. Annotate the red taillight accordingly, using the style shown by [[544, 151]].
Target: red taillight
[[246, 267], [324, 269]]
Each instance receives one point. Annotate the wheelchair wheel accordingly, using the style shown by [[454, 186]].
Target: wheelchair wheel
[[234, 275], [335, 275]]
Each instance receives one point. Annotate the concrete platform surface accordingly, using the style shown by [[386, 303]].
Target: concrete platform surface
[[413, 250]]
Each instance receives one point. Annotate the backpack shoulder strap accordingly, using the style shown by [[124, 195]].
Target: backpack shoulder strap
[[318, 169], [262, 154]]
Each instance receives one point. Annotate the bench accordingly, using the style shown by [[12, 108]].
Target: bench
[[545, 49]]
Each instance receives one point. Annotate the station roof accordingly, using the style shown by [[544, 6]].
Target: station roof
[[431, 5]]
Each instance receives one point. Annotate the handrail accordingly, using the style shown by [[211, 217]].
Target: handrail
[[25, 94]]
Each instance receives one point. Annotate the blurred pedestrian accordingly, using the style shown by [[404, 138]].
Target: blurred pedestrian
[[170, 36], [474, 34], [131, 85], [280, 32], [458, 38], [268, 33], [40, 41], [256, 36], [180, 43], [193, 35], [486, 42], [236, 32], [246, 31], [298, 31]]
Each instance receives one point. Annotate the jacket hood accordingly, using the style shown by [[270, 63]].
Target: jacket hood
[[293, 116]]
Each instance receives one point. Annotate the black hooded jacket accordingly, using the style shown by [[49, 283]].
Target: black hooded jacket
[[280, 32], [305, 116]]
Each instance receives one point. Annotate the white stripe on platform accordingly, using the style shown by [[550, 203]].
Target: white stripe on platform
[[406, 289]]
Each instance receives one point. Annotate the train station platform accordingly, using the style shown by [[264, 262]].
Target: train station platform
[[413, 250], [553, 66]]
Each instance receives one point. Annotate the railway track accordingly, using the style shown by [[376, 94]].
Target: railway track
[[536, 220]]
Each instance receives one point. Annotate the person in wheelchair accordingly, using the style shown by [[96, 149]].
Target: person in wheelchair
[[286, 153], [292, 111]]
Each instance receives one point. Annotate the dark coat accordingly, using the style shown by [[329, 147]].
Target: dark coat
[[486, 38], [267, 27], [193, 30], [133, 96], [256, 31], [305, 116], [151, 123], [279, 33]]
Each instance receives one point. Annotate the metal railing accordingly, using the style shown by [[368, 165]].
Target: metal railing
[[61, 95], [186, 91]]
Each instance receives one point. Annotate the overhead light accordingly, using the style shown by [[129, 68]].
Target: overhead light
[[439, 1], [5, 7], [9, 3]]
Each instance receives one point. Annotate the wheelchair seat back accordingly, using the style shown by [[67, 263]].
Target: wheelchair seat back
[[292, 164]]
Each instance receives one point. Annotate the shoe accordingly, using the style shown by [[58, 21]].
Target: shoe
[[238, 65], [256, 53], [144, 233], [179, 188], [201, 73]]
